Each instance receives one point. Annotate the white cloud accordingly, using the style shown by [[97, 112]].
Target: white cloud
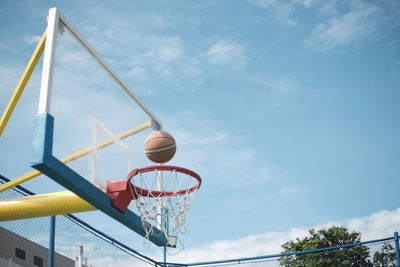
[[273, 91], [8, 79], [138, 73], [165, 60], [378, 225], [114, 261], [159, 20], [340, 22], [359, 23], [329, 8], [160, 60], [165, 49], [285, 84], [214, 137], [281, 10], [204, 143], [305, 3], [32, 39], [284, 11], [223, 52]]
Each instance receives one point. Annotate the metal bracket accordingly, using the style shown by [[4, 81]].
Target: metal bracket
[[155, 125]]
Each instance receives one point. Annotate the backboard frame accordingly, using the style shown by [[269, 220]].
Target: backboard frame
[[43, 159]]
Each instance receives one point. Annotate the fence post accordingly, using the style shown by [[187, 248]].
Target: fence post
[[51, 240], [165, 256], [396, 243]]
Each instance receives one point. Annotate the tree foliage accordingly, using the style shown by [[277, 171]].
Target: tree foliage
[[333, 236], [385, 257]]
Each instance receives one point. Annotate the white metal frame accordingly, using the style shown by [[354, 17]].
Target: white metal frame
[[98, 127], [54, 21]]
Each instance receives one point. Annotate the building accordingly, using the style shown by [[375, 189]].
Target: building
[[16, 251]]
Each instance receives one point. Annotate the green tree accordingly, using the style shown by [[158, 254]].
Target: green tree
[[385, 257], [333, 236]]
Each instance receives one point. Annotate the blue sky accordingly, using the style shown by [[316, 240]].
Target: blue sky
[[288, 109]]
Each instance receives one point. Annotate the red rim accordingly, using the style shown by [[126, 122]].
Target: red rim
[[153, 193]]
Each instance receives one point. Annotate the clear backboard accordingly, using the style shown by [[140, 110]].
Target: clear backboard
[[88, 121], [88, 138]]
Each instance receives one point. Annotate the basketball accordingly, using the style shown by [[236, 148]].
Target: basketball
[[159, 147]]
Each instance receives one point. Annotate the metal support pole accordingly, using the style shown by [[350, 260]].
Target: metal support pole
[[22, 83], [165, 227], [396, 242], [48, 61], [165, 256], [51, 240]]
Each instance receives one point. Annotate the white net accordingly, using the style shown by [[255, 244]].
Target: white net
[[162, 198]]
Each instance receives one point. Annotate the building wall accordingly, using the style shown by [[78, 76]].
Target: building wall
[[10, 242], [8, 263]]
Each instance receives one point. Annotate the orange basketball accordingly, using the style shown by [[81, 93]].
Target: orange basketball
[[159, 147]]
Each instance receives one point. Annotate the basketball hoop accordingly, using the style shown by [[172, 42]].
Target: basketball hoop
[[163, 194]]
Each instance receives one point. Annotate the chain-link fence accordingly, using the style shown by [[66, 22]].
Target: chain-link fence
[[75, 241], [78, 243], [375, 253]]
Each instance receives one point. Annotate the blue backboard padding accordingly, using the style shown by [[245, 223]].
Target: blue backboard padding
[[42, 143], [45, 162]]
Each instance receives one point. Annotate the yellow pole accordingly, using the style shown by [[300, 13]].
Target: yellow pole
[[74, 156], [22, 83], [43, 205]]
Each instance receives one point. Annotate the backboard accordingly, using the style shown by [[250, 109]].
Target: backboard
[[79, 127]]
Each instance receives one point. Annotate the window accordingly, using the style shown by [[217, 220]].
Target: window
[[19, 253], [37, 261]]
